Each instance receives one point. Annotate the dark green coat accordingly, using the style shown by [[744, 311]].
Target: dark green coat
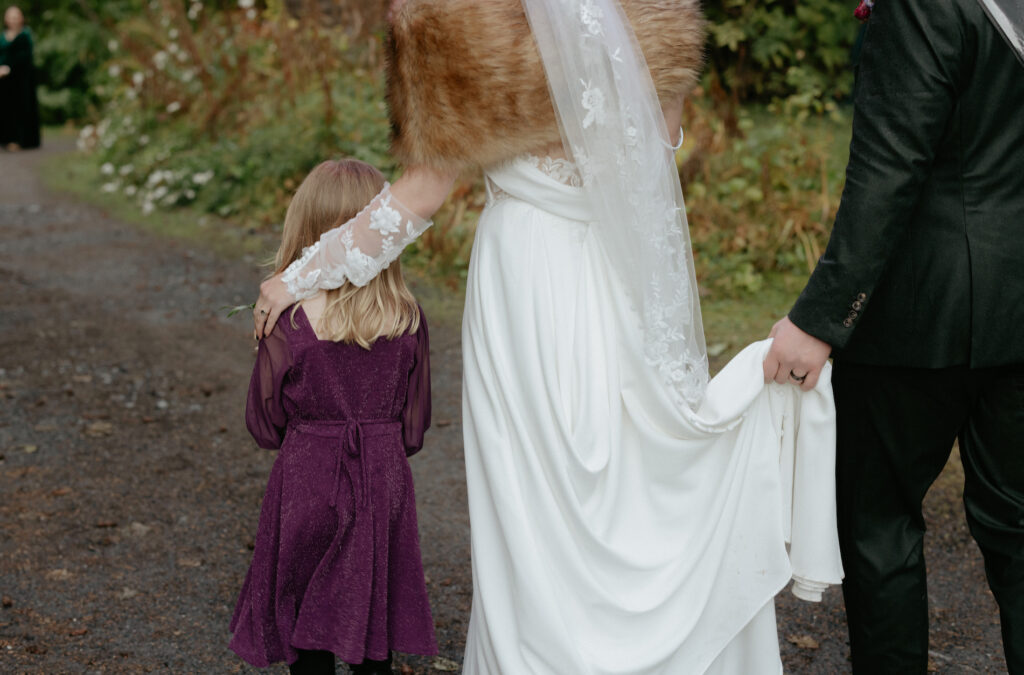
[[19, 107], [925, 267]]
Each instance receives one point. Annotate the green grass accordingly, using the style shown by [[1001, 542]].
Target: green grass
[[76, 174]]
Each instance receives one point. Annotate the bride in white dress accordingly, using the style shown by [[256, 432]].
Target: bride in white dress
[[627, 515]]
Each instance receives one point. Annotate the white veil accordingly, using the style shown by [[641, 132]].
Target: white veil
[[613, 127]]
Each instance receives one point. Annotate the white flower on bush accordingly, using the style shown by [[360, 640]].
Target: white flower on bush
[[143, 139], [112, 45], [160, 60], [173, 107], [130, 190], [187, 75], [251, 14], [173, 33], [194, 9], [132, 94], [202, 177], [190, 194], [107, 169], [159, 193], [147, 207], [112, 186], [114, 70], [138, 78], [246, 4], [173, 47], [86, 138], [126, 169]]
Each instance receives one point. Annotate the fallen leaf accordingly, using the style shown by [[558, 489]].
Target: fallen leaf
[[59, 575], [444, 423], [84, 379], [61, 491], [99, 429], [189, 562], [106, 523], [139, 528], [78, 631], [45, 426], [6, 601], [29, 449], [127, 593], [146, 419], [803, 641], [445, 665]]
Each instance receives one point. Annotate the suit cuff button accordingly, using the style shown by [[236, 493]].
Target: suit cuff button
[[852, 315], [847, 322], [862, 296], [858, 305]]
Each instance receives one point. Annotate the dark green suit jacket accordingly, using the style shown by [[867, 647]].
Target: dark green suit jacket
[[925, 267]]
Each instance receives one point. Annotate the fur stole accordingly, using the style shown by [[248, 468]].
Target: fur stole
[[466, 85]]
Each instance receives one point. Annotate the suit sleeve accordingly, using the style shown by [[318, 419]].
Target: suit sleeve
[[416, 415], [906, 90], [265, 416]]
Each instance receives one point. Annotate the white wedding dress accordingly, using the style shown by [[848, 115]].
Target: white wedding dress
[[612, 531]]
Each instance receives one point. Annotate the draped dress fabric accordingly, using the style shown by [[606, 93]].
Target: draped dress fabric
[[336, 564], [613, 532]]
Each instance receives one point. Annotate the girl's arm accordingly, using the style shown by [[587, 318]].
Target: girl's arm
[[358, 250], [264, 410], [416, 415]]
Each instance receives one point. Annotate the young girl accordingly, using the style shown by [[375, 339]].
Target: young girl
[[342, 387]]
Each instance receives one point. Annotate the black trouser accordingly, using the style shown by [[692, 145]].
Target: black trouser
[[317, 662], [895, 431]]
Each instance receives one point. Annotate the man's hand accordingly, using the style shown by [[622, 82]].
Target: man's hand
[[5, 70], [274, 299], [795, 356]]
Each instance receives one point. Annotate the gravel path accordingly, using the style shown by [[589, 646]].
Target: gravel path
[[129, 489]]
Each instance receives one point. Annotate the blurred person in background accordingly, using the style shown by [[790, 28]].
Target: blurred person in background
[[19, 107]]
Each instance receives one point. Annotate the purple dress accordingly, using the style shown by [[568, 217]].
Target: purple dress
[[336, 564]]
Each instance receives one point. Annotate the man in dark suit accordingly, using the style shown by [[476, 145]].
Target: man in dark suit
[[920, 300]]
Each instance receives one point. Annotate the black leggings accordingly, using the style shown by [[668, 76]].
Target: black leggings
[[322, 663]]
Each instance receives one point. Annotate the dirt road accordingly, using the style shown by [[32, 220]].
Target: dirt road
[[129, 489]]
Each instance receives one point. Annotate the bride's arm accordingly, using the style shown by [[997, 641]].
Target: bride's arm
[[359, 249], [673, 111]]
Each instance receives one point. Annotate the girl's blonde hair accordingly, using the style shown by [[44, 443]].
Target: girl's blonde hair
[[334, 192]]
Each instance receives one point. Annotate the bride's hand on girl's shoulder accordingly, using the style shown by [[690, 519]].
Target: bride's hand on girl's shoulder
[[274, 299]]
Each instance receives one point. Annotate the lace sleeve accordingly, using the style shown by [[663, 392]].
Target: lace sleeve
[[358, 250]]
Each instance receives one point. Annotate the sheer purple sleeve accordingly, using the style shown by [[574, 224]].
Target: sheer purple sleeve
[[265, 416], [416, 416]]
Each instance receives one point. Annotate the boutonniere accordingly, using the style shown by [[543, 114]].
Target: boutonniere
[[863, 11]]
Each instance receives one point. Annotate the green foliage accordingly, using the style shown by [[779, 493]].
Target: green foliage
[[72, 43], [763, 202], [797, 51], [227, 112]]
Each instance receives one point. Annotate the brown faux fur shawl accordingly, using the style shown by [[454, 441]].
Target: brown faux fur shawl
[[466, 85]]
